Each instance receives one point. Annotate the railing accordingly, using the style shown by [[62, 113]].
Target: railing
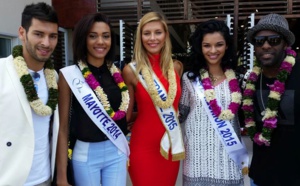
[[119, 9], [296, 7], [194, 11]]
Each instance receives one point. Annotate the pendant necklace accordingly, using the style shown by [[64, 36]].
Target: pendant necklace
[[214, 79], [261, 97]]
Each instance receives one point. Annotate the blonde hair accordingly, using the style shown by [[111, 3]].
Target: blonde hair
[[140, 54]]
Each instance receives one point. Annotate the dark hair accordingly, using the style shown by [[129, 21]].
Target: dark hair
[[40, 11], [196, 58], [80, 33]]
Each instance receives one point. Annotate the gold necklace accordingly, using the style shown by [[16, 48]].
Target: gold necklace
[[214, 79]]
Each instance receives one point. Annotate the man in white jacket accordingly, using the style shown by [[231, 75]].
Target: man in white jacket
[[28, 102]]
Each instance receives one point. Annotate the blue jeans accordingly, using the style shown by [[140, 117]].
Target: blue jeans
[[99, 162]]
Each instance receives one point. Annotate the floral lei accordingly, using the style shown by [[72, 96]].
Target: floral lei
[[35, 102], [276, 90], [157, 101], [95, 85], [210, 95]]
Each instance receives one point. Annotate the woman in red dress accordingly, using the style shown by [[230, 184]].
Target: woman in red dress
[[156, 142]]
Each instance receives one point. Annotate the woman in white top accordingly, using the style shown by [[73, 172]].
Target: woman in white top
[[211, 62]]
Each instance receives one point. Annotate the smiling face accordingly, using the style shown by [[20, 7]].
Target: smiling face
[[98, 43], [269, 55], [153, 37], [213, 48], [39, 41]]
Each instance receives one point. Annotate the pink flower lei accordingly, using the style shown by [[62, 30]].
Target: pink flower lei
[[95, 85], [276, 91], [211, 97]]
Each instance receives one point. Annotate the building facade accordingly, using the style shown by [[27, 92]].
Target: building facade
[[182, 16], [10, 21]]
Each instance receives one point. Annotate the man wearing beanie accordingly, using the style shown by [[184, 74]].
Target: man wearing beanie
[[271, 104]]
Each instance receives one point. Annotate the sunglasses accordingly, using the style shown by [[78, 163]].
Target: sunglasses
[[36, 78], [273, 40]]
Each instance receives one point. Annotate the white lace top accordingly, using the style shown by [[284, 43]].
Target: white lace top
[[207, 162]]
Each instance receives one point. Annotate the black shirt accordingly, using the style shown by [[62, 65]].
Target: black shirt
[[82, 127], [279, 163]]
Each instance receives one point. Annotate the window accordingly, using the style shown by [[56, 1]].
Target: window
[[60, 54], [5, 46]]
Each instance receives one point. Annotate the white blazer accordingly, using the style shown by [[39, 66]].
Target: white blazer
[[16, 128]]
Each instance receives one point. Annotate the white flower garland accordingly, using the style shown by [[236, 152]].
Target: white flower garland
[[37, 105], [153, 91]]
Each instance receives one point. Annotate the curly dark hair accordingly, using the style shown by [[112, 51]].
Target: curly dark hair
[[196, 59]]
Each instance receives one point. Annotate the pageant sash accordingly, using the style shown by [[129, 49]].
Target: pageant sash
[[172, 138], [224, 130], [93, 107]]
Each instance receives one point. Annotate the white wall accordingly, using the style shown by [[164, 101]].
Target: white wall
[[10, 15]]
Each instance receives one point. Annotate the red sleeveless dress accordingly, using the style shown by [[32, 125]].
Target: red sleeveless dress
[[147, 166]]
